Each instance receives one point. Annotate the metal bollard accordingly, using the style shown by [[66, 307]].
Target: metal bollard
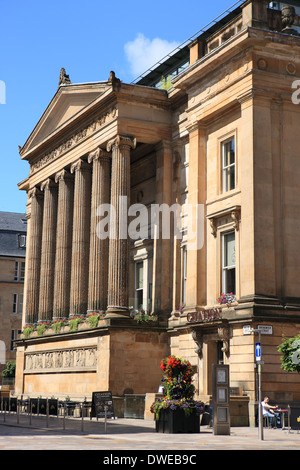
[[30, 415], [18, 412], [81, 417], [105, 419], [47, 414], [64, 418]]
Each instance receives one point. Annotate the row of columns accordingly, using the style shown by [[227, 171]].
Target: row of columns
[[70, 270]]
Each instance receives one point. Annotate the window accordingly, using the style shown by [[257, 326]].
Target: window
[[14, 337], [228, 165], [16, 278], [19, 271], [15, 303], [22, 272], [228, 263], [22, 241], [139, 281]]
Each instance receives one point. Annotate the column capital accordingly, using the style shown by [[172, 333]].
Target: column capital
[[62, 175], [80, 164], [34, 192], [97, 154], [121, 141], [47, 184]]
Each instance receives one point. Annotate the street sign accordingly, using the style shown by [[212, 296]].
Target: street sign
[[247, 330], [258, 351], [265, 329]]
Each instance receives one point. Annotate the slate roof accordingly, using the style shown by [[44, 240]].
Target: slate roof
[[12, 225]]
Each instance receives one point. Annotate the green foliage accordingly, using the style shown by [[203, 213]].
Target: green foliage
[[42, 327], [58, 324], [28, 330], [145, 317], [10, 370], [290, 359], [74, 322], [94, 318]]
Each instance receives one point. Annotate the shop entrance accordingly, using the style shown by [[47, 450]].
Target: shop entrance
[[212, 354]]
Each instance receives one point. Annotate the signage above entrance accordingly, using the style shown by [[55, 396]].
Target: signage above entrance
[[211, 314]]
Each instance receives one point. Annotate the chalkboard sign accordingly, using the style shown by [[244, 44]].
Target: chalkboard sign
[[100, 400]]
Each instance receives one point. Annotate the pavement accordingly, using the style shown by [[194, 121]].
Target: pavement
[[132, 437]]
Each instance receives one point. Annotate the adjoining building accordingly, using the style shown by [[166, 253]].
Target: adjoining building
[[220, 148], [13, 231]]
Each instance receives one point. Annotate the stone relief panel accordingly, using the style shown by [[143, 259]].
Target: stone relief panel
[[64, 360]]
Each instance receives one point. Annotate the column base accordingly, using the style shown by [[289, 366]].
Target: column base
[[117, 312]]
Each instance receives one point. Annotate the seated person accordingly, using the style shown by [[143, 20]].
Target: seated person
[[269, 411]]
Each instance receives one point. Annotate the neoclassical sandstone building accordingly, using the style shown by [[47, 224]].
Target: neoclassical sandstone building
[[222, 139]]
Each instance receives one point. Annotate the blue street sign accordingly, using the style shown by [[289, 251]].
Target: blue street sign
[[258, 351]]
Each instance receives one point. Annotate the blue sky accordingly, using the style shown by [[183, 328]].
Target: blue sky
[[88, 39]]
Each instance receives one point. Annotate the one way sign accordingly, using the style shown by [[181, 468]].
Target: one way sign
[[258, 351]]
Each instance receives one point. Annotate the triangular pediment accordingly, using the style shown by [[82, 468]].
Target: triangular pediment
[[67, 103]]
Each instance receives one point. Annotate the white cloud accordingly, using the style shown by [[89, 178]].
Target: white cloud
[[143, 52]]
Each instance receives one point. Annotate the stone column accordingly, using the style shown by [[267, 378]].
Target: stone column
[[99, 245], [162, 259], [48, 250], [62, 278], [81, 238], [33, 256], [118, 240]]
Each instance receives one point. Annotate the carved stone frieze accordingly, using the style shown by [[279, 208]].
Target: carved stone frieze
[[75, 359], [74, 139]]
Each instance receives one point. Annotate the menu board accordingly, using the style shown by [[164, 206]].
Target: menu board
[[100, 400]]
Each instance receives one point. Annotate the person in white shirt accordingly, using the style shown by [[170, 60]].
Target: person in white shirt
[[270, 412]]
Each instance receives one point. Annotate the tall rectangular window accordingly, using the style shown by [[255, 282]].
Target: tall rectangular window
[[228, 263], [15, 303], [228, 164], [22, 272], [16, 278], [139, 282]]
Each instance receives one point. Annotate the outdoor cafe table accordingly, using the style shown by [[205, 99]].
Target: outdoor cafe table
[[282, 412]]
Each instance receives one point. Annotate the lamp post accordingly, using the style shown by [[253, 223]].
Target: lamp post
[[259, 364]]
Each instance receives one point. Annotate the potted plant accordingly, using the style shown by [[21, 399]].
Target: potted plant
[[58, 324], [177, 411], [42, 327], [226, 299], [74, 322], [146, 318], [28, 330], [94, 317]]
